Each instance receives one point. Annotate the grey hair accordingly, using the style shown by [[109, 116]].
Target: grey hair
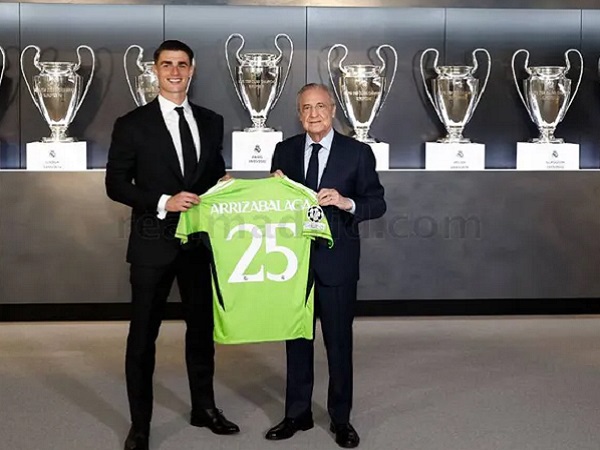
[[310, 86]]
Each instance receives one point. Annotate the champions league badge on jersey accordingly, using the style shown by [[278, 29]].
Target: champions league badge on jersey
[[315, 217]]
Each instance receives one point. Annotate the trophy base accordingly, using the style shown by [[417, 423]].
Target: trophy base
[[381, 150], [253, 150], [449, 140], [52, 140], [56, 156], [454, 156], [547, 156], [258, 130]]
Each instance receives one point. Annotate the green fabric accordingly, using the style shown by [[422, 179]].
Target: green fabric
[[260, 232]]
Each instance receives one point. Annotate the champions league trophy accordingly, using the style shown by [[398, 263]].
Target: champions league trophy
[[547, 96], [3, 55], [145, 84], [258, 83], [57, 93], [455, 94], [361, 93]]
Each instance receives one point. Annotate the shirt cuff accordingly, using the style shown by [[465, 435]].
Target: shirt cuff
[[353, 209], [161, 208]]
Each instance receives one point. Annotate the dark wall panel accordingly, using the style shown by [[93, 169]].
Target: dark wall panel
[[109, 30], [403, 122], [587, 106], [501, 119], [206, 28], [9, 88]]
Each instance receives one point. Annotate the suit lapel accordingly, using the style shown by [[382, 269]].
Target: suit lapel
[[335, 160], [204, 132], [297, 164], [164, 139]]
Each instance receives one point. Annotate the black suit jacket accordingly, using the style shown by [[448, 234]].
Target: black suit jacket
[[143, 165], [351, 171]]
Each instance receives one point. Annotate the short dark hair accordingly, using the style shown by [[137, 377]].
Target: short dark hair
[[174, 45]]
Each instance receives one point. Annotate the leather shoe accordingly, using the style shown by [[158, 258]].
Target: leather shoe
[[345, 435], [137, 440], [214, 420], [288, 427]]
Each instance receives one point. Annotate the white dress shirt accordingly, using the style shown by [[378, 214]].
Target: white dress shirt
[[171, 118]]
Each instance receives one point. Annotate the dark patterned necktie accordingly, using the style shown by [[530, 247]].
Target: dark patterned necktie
[[312, 174], [190, 158]]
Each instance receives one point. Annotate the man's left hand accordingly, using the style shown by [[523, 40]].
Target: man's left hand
[[331, 197]]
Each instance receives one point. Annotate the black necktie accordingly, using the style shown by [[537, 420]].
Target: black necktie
[[312, 173], [190, 158]]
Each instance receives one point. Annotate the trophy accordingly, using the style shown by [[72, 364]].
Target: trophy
[[3, 63], [57, 91], [362, 90], [547, 94], [455, 93], [258, 80], [145, 85]]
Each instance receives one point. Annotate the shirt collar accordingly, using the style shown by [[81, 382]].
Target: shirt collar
[[325, 142], [167, 106]]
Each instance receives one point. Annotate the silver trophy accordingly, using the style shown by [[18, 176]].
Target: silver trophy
[[547, 94], [362, 89], [57, 91], [258, 79], [455, 93], [3, 63], [145, 84]]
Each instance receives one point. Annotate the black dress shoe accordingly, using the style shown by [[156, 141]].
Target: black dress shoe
[[137, 440], [214, 420], [345, 435], [288, 427]]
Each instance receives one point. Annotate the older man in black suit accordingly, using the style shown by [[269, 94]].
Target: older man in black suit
[[162, 156], [342, 171]]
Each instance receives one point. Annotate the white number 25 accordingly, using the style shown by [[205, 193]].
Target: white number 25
[[239, 274]]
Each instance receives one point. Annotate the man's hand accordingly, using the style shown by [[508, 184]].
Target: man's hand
[[331, 197], [225, 177], [182, 202], [278, 173]]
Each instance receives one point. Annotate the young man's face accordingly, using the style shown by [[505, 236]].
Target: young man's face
[[174, 70]]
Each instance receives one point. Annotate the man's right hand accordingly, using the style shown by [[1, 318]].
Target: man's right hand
[[278, 173], [182, 202]]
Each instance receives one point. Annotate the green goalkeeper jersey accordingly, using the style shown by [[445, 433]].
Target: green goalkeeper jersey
[[260, 233]]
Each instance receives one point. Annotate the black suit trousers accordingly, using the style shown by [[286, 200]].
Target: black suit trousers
[[150, 288], [335, 307]]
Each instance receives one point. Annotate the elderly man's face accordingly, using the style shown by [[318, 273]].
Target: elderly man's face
[[316, 112]]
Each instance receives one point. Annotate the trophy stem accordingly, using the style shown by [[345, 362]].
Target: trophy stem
[[58, 134], [258, 124], [362, 134], [547, 137], [454, 136]]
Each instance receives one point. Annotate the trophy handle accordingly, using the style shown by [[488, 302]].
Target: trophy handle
[[578, 53], [139, 64], [333, 85], [3, 63], [87, 86], [36, 63], [237, 55], [487, 75], [512, 66], [287, 72], [422, 67], [383, 68]]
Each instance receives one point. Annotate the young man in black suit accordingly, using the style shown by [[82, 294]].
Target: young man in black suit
[[342, 171], [162, 156]]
